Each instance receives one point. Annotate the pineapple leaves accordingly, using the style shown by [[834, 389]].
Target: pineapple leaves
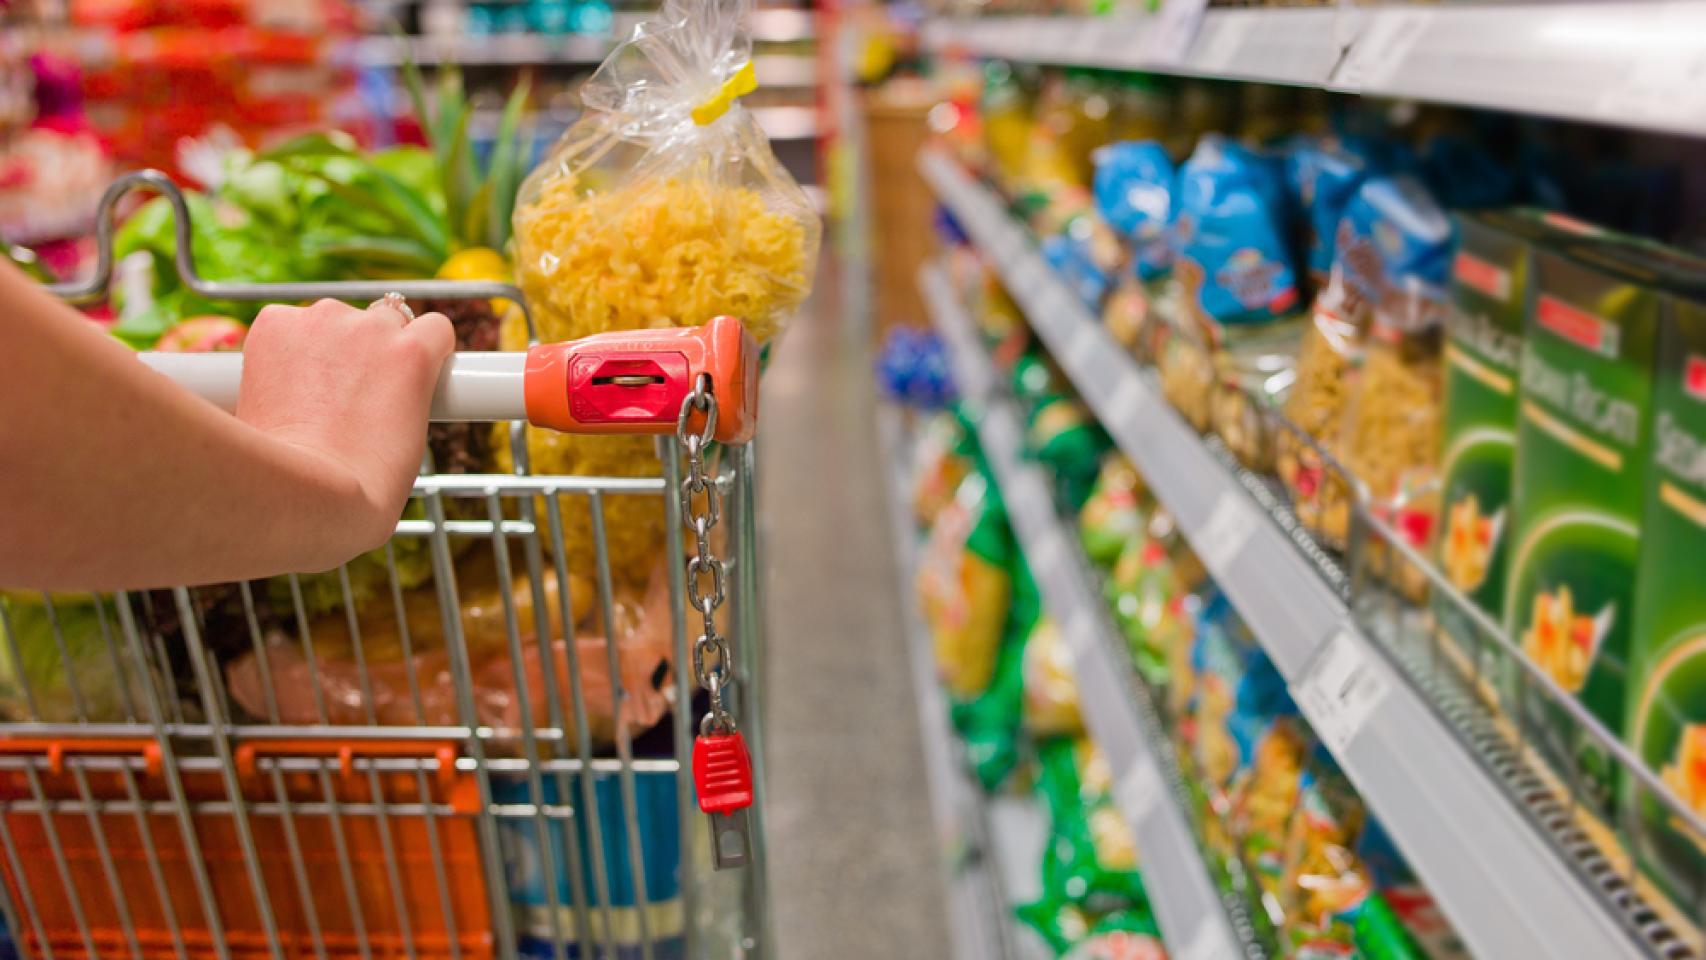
[[504, 173], [478, 203]]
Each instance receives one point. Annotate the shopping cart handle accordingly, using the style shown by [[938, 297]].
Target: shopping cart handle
[[624, 382]]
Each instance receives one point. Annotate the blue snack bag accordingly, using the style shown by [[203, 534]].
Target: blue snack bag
[[1072, 260], [1395, 240], [1133, 187], [1233, 257], [1324, 178]]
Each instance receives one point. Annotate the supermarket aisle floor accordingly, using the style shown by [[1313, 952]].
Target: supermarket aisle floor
[[854, 870]]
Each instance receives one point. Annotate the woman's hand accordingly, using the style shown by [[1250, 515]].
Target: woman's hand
[[351, 387], [112, 477]]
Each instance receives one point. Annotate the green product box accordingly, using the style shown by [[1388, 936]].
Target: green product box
[[1667, 699], [1583, 444], [1490, 277]]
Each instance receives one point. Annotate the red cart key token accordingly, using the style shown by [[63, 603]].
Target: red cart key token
[[722, 777]]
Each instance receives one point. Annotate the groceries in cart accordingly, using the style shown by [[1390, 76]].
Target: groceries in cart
[[471, 740]]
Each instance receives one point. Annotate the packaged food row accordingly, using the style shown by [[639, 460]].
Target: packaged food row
[[1572, 490], [1507, 388], [1283, 828], [1014, 703], [1188, 646]]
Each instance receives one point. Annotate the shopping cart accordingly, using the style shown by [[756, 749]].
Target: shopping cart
[[223, 772]]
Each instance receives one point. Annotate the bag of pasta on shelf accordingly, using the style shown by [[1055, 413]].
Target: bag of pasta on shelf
[[1392, 420], [663, 205], [1234, 297]]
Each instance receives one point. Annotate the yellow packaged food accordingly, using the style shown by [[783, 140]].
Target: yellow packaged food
[[662, 206], [1051, 690], [964, 586]]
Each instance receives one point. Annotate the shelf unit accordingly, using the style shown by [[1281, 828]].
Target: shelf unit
[[1148, 789], [1638, 63], [988, 843], [528, 49], [1504, 883]]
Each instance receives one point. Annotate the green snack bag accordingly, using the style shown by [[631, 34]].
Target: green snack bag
[[1059, 922], [964, 585], [1114, 514], [1124, 935], [989, 724], [1064, 437], [1583, 442], [1148, 606], [1091, 861], [1667, 701]]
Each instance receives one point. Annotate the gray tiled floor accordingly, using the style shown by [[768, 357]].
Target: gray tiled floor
[[853, 854]]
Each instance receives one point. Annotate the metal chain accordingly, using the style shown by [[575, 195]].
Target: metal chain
[[701, 509]]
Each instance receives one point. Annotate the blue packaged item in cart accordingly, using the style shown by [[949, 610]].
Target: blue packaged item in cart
[[1233, 257], [1133, 187], [1394, 238], [633, 917], [1324, 179]]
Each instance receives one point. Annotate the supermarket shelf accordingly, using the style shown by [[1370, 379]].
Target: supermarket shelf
[[988, 844], [773, 25], [528, 49], [1635, 64], [1188, 909], [1508, 891]]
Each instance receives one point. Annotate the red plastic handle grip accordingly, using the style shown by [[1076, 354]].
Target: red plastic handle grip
[[634, 381]]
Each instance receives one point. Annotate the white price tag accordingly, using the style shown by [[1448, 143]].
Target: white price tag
[[1228, 528], [1173, 32], [1207, 942], [1377, 54], [1138, 791], [1341, 689]]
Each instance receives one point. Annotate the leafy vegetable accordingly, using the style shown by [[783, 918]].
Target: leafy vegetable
[[30, 659]]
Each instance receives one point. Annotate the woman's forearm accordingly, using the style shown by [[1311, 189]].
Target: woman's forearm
[[112, 476]]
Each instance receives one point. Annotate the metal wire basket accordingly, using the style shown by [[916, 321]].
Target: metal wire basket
[[418, 755]]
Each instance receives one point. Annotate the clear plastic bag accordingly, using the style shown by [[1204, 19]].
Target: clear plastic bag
[[663, 205], [1327, 365]]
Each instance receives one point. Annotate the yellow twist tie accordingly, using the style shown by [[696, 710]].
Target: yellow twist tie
[[742, 83]]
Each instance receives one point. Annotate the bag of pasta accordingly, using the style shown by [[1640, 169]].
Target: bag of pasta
[[663, 205], [1392, 421]]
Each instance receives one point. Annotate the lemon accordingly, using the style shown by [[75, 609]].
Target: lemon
[[479, 263], [475, 263]]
